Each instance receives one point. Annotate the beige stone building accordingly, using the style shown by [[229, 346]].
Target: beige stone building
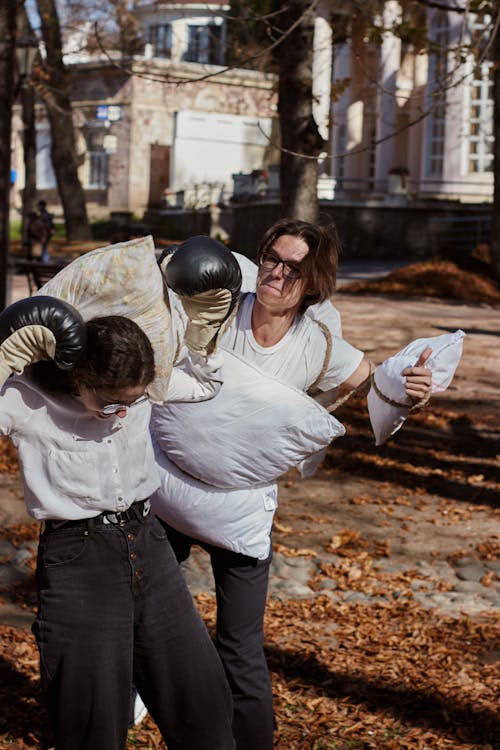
[[168, 126]]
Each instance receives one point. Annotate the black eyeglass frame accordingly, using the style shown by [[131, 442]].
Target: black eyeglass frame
[[271, 260]]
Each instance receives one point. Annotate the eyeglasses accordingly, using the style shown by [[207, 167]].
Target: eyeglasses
[[113, 408], [269, 261]]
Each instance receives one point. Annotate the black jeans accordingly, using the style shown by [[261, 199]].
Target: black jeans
[[114, 608], [241, 588]]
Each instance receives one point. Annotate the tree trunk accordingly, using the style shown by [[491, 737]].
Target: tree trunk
[[27, 97], [300, 138], [29, 153], [495, 219], [7, 44], [58, 104]]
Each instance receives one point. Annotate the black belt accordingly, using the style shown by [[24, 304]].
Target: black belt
[[137, 511]]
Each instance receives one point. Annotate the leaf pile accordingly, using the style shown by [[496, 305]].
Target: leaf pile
[[442, 279]]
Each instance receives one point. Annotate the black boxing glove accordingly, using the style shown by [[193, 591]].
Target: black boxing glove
[[207, 277], [36, 328]]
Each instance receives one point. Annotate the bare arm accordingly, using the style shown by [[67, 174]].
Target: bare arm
[[418, 379]]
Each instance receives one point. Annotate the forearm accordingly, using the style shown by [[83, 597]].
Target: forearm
[[196, 378]]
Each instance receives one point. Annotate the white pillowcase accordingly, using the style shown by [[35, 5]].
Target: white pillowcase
[[251, 432], [387, 418], [240, 519]]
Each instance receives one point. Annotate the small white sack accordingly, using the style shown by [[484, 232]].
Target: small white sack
[[238, 520], [387, 418], [250, 433]]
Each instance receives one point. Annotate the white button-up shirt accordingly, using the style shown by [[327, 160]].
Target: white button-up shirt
[[74, 465]]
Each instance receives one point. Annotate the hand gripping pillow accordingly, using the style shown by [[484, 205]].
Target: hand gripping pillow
[[388, 405], [123, 279], [250, 433]]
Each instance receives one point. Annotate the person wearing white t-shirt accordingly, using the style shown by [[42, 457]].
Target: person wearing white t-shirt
[[297, 265]]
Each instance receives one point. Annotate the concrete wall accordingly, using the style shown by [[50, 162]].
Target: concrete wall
[[366, 231], [375, 232]]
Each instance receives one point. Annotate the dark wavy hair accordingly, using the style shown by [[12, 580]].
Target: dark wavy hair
[[118, 354], [319, 267]]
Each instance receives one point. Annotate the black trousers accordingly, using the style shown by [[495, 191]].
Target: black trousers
[[113, 609], [241, 584]]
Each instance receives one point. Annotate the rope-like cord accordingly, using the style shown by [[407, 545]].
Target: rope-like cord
[[414, 407], [326, 361], [371, 377], [338, 402]]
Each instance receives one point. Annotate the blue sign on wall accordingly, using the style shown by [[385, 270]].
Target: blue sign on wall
[[102, 112]]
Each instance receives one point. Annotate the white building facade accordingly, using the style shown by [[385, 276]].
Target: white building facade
[[416, 122]]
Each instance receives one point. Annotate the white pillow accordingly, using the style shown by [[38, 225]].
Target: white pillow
[[123, 279], [388, 405], [249, 271], [251, 432], [240, 519]]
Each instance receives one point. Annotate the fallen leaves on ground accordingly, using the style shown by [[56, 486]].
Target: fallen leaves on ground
[[388, 676], [9, 463]]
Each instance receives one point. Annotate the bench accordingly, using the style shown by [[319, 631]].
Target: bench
[[37, 272]]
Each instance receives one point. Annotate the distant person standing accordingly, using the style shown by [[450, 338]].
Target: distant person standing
[[40, 230], [46, 224]]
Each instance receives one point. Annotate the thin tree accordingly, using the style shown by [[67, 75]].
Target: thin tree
[[7, 46], [54, 90], [27, 99], [495, 220]]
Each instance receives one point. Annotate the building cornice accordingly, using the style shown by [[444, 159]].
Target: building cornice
[[175, 72]]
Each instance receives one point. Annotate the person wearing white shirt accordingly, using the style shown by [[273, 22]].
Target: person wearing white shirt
[[113, 606], [272, 329]]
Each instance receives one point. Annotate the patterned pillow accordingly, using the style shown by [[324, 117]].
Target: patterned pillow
[[123, 279]]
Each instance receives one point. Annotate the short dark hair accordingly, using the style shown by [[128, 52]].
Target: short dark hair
[[320, 265], [118, 354]]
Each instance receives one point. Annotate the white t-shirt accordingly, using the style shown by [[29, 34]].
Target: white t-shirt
[[298, 358], [73, 465]]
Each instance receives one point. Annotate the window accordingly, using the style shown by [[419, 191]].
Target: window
[[45, 176], [98, 170], [479, 103], [341, 149], [205, 44], [160, 38], [97, 160], [438, 68]]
